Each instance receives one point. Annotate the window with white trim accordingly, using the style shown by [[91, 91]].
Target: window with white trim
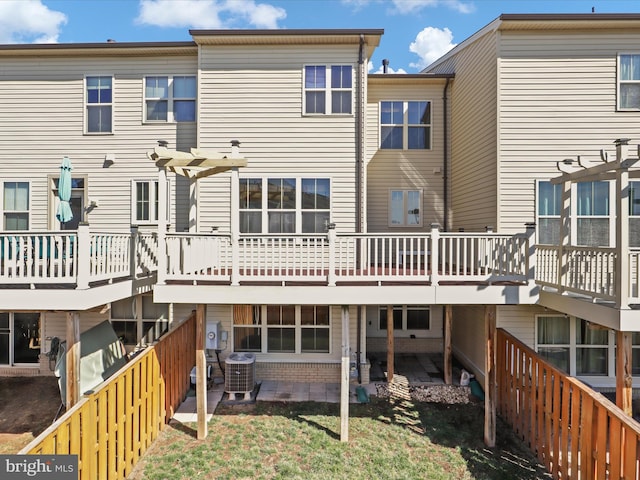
[[592, 214], [629, 81], [15, 206], [328, 89], [284, 205], [170, 98], [405, 125], [405, 208], [139, 321], [293, 329], [406, 318], [591, 219], [145, 201], [575, 346], [99, 104], [634, 214], [549, 203]]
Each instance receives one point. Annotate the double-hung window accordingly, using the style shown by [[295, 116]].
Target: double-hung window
[[281, 205], [284, 205], [575, 346], [328, 89], [292, 329], [405, 208], [145, 201], [629, 82], [634, 214], [592, 214], [170, 99], [15, 206], [99, 104], [138, 320], [549, 203], [405, 125]]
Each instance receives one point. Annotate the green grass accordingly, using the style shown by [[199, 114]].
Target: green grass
[[389, 439]]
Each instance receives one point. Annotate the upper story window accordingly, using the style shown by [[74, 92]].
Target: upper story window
[[405, 125], [284, 205], [405, 208], [590, 216], [549, 205], [629, 82], [170, 99], [99, 104], [145, 201], [15, 206], [328, 89], [634, 214], [593, 220]]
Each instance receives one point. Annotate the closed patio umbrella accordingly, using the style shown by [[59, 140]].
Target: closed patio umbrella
[[64, 213]]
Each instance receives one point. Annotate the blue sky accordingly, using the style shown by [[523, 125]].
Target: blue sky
[[416, 31]]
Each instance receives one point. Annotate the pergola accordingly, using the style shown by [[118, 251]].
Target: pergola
[[194, 165], [620, 170]]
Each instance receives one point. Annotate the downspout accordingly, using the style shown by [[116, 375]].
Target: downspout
[[359, 168], [445, 157]]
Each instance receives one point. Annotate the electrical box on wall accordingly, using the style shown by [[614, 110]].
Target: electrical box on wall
[[212, 335]]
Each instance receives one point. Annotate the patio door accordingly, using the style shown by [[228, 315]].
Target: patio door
[[19, 338], [77, 202]]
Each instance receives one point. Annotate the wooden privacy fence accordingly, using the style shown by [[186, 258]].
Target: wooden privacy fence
[[575, 432], [112, 427]]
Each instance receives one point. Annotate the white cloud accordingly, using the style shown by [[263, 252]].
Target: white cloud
[[209, 13], [430, 44], [29, 21], [406, 7]]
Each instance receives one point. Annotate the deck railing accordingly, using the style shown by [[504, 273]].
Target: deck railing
[[77, 258], [111, 428], [344, 257], [590, 271], [575, 432]]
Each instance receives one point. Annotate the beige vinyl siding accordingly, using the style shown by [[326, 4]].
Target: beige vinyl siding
[[473, 137], [42, 120], [558, 100], [404, 169], [467, 337], [519, 321], [254, 94], [224, 314]]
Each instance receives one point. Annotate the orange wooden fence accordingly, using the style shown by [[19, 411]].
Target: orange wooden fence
[[111, 428], [575, 432]]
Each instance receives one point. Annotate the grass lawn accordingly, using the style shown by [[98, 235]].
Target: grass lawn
[[389, 439]]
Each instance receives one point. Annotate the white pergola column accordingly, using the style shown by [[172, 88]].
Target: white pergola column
[[162, 225]]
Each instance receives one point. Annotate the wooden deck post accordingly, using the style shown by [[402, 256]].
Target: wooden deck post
[[201, 374], [73, 359], [624, 377], [490, 388], [390, 347], [344, 377], [448, 367]]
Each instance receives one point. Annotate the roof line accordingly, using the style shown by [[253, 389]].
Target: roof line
[[291, 32], [568, 16], [84, 46]]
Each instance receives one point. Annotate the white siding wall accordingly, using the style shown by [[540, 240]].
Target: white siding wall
[[41, 120], [404, 169], [254, 94], [473, 141], [557, 100]]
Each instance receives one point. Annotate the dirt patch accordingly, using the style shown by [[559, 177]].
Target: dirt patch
[[27, 407]]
